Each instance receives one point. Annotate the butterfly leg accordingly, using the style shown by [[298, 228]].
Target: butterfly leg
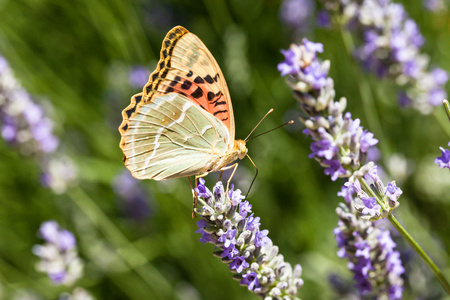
[[234, 167], [194, 198], [232, 174], [194, 193]]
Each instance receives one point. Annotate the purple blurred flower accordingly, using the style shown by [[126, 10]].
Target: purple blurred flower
[[58, 173], [59, 257], [138, 76], [25, 125], [443, 161], [62, 238], [391, 48], [243, 246], [290, 65], [323, 19], [434, 5], [23, 121], [297, 13], [134, 201]]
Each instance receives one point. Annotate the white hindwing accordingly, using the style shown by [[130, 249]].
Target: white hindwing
[[172, 137]]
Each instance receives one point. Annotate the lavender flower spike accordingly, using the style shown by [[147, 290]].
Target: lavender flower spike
[[340, 143], [370, 252], [391, 48], [59, 257], [23, 121], [24, 125], [242, 245]]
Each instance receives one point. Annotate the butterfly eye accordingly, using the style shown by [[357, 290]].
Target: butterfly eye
[[242, 150]]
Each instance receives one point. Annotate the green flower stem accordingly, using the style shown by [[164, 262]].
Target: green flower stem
[[447, 108], [443, 123], [367, 188], [445, 284]]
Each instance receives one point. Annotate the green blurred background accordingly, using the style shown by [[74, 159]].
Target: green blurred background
[[78, 54]]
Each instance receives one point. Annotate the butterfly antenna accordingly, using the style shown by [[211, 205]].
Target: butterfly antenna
[[254, 178], [270, 110], [287, 123]]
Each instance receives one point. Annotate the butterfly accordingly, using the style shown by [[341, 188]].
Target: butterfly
[[182, 122]]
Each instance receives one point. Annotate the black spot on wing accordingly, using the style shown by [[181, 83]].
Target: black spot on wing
[[175, 81], [211, 96], [125, 127], [137, 99], [219, 103], [169, 89], [199, 80], [186, 85], [189, 74], [209, 79], [197, 93], [171, 36], [130, 111]]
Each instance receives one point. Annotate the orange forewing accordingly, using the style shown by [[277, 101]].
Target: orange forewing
[[187, 67]]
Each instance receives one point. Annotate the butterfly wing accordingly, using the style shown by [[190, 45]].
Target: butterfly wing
[[171, 137], [188, 68]]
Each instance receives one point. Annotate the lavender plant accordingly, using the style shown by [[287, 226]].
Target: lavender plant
[[59, 256], [391, 48], [24, 125], [369, 249], [60, 259], [138, 76], [340, 144], [242, 245]]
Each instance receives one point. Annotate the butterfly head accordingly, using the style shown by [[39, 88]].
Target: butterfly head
[[241, 148]]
